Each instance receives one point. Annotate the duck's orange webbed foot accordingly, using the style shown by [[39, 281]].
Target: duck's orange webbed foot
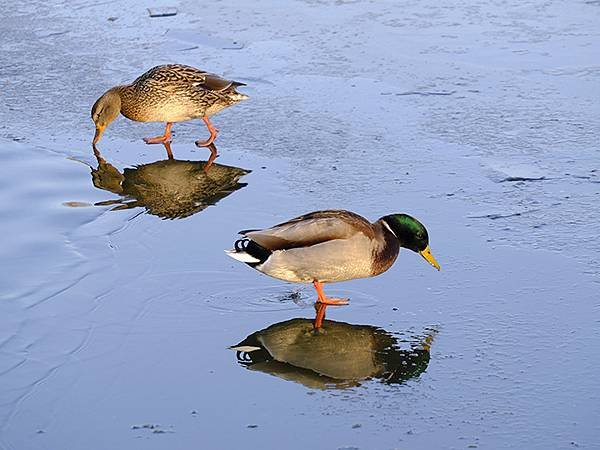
[[213, 134], [164, 139], [335, 301], [327, 300]]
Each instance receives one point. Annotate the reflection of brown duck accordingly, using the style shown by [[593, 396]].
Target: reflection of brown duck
[[169, 188], [337, 355]]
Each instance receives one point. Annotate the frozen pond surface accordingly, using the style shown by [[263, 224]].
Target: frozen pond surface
[[117, 306]]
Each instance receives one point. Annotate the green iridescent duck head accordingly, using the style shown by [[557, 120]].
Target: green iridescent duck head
[[412, 234]]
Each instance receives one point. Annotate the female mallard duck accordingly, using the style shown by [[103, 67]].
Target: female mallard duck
[[169, 93], [170, 189], [331, 246]]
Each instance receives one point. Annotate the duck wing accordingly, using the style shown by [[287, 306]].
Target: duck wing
[[181, 76], [214, 82], [311, 229]]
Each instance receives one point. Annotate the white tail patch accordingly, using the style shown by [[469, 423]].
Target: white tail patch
[[238, 96], [245, 348], [242, 256]]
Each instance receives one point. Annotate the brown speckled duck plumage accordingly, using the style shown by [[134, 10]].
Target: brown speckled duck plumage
[[168, 93], [176, 93]]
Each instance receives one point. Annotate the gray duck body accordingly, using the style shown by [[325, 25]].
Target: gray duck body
[[328, 246]]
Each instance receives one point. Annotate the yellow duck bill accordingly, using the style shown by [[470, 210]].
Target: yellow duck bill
[[429, 257]]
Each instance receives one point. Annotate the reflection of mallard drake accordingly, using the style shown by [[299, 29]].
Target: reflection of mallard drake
[[169, 93], [331, 246], [337, 355], [170, 188]]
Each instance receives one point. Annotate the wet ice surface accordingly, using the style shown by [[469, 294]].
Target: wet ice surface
[[479, 119]]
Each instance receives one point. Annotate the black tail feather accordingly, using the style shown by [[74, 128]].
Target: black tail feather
[[253, 249]]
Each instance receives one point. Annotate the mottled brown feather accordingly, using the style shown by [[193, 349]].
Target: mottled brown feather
[[175, 92]]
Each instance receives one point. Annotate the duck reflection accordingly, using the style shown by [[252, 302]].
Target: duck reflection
[[338, 355], [168, 188]]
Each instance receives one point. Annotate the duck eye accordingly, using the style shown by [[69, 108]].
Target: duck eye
[[97, 115]]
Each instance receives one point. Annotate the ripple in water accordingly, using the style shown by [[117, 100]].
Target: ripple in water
[[280, 297], [245, 294]]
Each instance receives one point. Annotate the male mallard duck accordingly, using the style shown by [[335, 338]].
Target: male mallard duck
[[169, 93], [291, 351], [331, 246]]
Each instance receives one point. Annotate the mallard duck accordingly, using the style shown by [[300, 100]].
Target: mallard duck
[[170, 189], [169, 93], [339, 355], [331, 246]]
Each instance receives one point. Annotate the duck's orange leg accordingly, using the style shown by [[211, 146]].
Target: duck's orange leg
[[213, 134], [320, 316], [327, 301], [164, 139], [213, 156], [168, 149]]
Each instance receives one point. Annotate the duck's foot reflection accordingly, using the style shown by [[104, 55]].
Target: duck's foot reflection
[[213, 155], [321, 309], [168, 149], [323, 301], [168, 188]]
